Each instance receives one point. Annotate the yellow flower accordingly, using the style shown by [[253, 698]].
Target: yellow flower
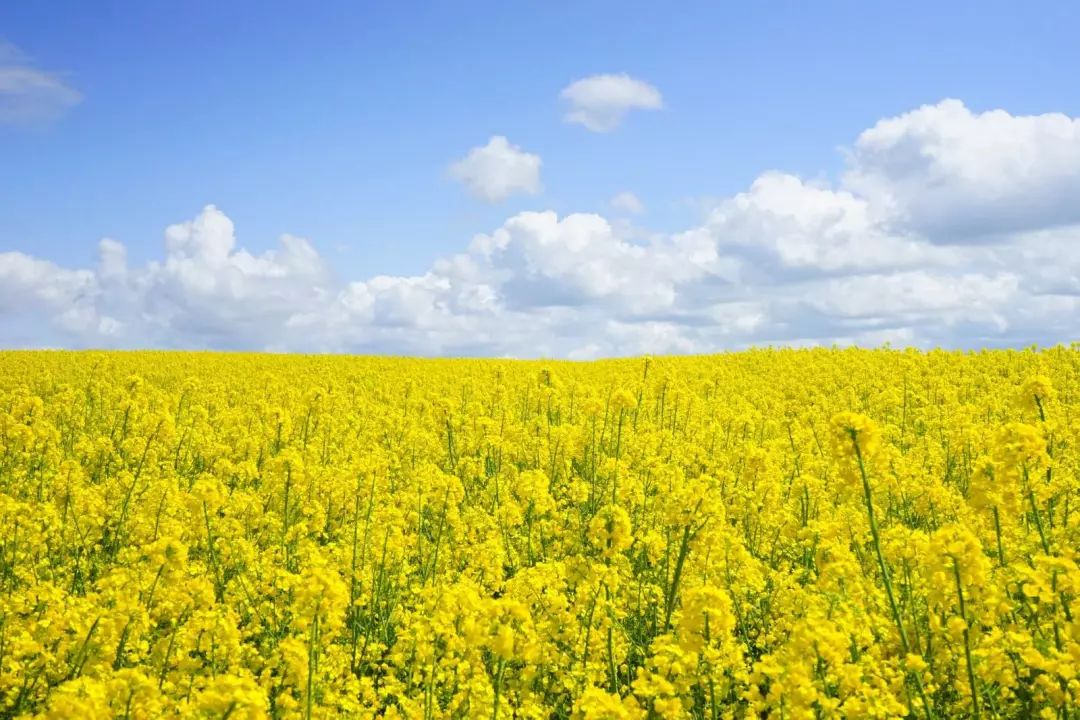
[[797, 533], [622, 400], [850, 431], [1036, 394], [596, 704], [609, 530]]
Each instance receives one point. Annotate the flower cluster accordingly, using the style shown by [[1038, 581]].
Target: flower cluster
[[772, 533]]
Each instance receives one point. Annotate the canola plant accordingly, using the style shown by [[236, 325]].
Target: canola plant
[[772, 533]]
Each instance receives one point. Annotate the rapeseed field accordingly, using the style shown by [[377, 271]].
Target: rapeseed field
[[771, 533]]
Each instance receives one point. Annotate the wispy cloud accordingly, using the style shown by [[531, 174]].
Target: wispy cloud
[[29, 94], [627, 203]]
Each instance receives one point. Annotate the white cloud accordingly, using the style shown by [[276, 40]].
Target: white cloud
[[29, 94], [785, 223], [868, 260], [628, 203], [32, 286], [599, 102], [541, 260], [498, 170], [914, 294], [960, 176]]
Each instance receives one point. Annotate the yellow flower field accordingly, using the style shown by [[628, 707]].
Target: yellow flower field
[[791, 534]]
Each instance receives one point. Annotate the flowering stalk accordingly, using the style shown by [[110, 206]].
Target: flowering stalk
[[967, 640], [867, 496]]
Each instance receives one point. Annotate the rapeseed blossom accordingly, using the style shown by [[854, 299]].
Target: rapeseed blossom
[[773, 533]]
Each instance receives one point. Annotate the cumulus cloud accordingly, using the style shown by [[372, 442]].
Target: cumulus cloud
[[917, 295], [498, 170], [599, 102], [872, 258], [962, 176], [29, 286], [29, 94], [786, 224]]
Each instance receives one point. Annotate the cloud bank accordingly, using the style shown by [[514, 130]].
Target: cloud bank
[[948, 227]]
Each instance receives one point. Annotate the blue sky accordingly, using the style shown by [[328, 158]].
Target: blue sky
[[338, 122]]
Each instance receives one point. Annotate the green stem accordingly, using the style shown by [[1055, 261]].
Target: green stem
[[684, 550], [313, 650], [868, 496], [498, 689], [997, 531], [610, 644], [967, 641]]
